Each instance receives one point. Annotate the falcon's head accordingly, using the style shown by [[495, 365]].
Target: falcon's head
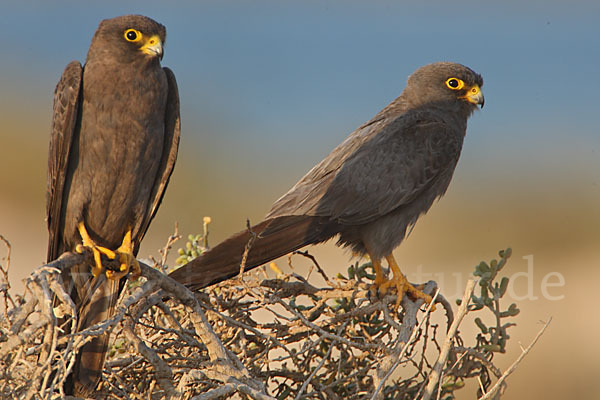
[[445, 83], [128, 38]]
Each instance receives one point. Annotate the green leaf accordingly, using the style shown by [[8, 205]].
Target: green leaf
[[494, 265], [503, 286], [513, 310], [492, 347], [481, 325]]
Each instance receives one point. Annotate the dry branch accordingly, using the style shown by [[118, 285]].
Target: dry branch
[[434, 377], [284, 338], [515, 364]]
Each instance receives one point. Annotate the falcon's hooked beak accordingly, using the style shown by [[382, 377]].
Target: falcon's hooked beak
[[475, 96], [153, 47]]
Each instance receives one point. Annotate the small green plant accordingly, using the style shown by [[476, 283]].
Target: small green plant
[[195, 246], [476, 360], [356, 271], [492, 289]]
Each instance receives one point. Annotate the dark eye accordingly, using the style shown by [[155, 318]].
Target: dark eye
[[132, 35], [455, 83]]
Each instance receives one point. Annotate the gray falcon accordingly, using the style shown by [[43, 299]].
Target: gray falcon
[[370, 189], [114, 141]]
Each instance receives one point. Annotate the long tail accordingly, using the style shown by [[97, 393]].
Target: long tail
[[274, 238], [96, 299]]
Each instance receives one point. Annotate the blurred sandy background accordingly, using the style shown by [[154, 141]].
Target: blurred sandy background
[[269, 88]]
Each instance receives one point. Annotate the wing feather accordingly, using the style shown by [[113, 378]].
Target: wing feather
[[396, 162], [301, 198], [64, 122], [169, 155]]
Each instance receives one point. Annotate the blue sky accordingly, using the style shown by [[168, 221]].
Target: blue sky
[[316, 70], [268, 88]]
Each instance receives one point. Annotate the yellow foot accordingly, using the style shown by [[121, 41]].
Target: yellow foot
[[381, 284], [96, 250], [127, 260], [403, 286], [125, 252]]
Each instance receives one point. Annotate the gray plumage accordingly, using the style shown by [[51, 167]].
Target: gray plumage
[[371, 188], [113, 146]]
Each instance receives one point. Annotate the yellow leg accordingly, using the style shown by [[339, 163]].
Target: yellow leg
[[127, 260], [402, 285], [380, 281], [380, 278], [88, 242]]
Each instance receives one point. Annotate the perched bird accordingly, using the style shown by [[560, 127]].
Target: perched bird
[[370, 189], [114, 141]]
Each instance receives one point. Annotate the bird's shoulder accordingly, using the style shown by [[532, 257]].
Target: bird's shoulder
[[64, 116], [405, 139], [403, 151], [66, 92]]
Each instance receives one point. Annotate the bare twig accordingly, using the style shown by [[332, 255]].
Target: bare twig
[[162, 371], [441, 361], [286, 338], [397, 356], [253, 236], [514, 365], [316, 264], [4, 282], [164, 252], [316, 369]]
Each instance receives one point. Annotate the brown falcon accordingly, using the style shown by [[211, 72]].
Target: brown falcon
[[370, 189], [115, 134]]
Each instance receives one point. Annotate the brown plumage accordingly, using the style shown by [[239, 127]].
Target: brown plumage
[[371, 188], [115, 134]]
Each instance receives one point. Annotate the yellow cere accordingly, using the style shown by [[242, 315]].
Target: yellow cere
[[474, 95], [132, 35], [153, 46]]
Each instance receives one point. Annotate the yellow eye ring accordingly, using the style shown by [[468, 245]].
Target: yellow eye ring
[[132, 35], [455, 84]]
